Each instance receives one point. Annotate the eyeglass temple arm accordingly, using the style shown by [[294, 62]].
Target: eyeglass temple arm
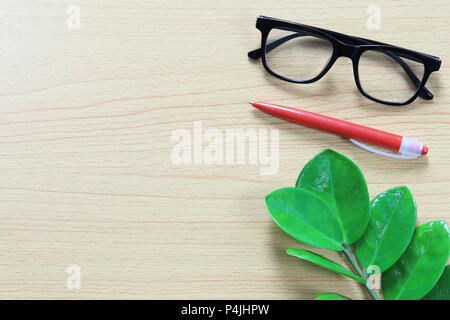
[[424, 93], [256, 54]]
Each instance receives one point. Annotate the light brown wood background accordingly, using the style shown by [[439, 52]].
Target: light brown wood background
[[86, 122]]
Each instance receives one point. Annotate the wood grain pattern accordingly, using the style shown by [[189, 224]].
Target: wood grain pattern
[[86, 124]]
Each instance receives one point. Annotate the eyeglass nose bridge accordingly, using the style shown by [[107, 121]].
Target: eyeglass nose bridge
[[346, 50]]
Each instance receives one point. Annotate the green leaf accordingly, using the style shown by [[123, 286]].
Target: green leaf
[[339, 181], [391, 227], [332, 296], [306, 217], [441, 290], [324, 263], [421, 265]]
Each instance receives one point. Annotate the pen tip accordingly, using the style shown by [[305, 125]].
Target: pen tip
[[424, 150], [251, 102]]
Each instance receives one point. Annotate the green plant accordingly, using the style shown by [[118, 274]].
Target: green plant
[[329, 208]]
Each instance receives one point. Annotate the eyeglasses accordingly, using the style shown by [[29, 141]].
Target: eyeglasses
[[303, 54]]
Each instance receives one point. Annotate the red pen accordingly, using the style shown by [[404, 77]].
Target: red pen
[[408, 148]]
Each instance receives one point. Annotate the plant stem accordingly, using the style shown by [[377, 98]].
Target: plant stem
[[355, 265]]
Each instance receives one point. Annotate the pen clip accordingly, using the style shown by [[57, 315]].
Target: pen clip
[[386, 154]]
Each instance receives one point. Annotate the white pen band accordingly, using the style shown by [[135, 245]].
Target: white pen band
[[411, 147]]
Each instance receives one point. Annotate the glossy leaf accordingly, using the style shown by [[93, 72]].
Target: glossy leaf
[[339, 181], [391, 227], [441, 291], [419, 268], [324, 263], [306, 217], [331, 296]]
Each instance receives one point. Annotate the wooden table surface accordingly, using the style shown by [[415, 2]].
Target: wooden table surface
[[88, 116]]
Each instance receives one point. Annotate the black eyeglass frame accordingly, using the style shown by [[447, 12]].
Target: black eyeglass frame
[[346, 46]]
